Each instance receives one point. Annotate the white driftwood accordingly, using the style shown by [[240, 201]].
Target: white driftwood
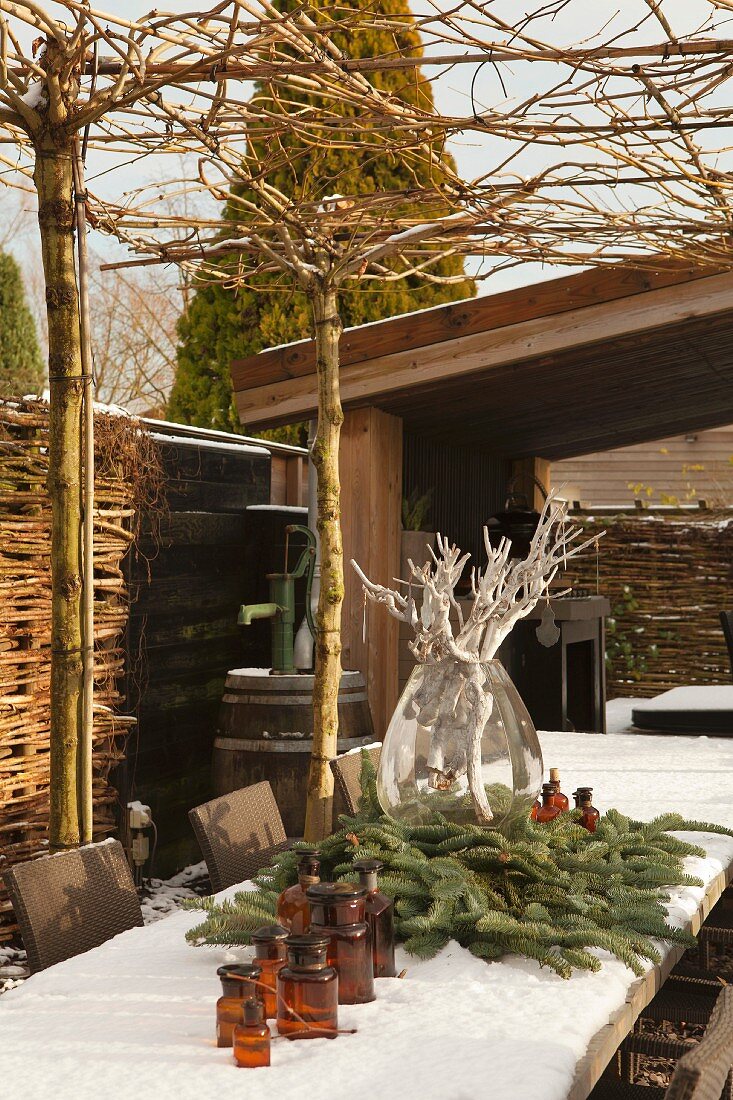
[[452, 701]]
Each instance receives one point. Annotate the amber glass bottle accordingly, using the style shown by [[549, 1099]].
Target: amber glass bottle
[[548, 810], [380, 918], [252, 1037], [589, 814], [238, 984], [270, 955], [293, 910], [560, 799], [307, 990], [339, 910]]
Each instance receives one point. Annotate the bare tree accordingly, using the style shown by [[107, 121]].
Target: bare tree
[[86, 77], [603, 142], [597, 149]]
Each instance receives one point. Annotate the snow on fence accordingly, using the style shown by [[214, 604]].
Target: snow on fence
[[25, 619], [668, 576]]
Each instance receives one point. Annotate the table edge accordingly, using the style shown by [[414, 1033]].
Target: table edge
[[606, 1040]]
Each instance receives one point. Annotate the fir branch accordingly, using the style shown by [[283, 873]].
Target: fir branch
[[554, 893]]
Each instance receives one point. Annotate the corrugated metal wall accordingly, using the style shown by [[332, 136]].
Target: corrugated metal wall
[[468, 486]]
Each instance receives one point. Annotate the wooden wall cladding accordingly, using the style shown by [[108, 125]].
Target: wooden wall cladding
[[187, 578], [468, 486]]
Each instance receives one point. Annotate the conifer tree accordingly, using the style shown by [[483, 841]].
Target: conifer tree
[[223, 324], [21, 366]]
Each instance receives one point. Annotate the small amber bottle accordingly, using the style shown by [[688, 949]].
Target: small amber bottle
[[548, 810], [307, 990], [251, 1044], [238, 984], [560, 799], [338, 909], [270, 955], [589, 815], [380, 918], [293, 910]]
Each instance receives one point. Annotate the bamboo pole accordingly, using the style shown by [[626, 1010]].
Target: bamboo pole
[[84, 761]]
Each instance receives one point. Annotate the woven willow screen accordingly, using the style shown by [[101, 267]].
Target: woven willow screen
[[667, 577], [25, 620]]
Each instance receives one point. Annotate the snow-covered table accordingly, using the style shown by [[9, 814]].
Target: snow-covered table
[[134, 1018]]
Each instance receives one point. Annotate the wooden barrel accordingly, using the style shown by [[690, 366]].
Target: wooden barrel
[[266, 732]]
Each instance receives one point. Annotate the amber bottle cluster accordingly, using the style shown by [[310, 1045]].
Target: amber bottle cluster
[[332, 940], [554, 802]]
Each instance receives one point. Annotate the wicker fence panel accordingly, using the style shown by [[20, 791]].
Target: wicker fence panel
[[25, 632], [667, 577]]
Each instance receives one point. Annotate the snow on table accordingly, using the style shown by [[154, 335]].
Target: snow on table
[[135, 1017]]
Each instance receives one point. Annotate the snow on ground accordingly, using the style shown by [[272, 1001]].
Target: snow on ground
[[161, 897], [618, 715]]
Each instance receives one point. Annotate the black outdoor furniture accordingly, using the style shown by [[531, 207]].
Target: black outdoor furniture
[[696, 709]]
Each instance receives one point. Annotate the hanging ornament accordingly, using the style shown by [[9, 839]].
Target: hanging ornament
[[548, 632]]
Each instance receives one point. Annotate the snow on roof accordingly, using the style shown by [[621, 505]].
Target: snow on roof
[[301, 510], [209, 444]]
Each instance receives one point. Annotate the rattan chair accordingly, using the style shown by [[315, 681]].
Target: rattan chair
[[68, 903], [239, 833], [703, 1071], [686, 997], [347, 773]]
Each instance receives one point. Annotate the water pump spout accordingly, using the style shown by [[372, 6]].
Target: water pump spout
[[248, 612]]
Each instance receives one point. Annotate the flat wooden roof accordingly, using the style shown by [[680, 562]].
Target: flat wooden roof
[[601, 359]]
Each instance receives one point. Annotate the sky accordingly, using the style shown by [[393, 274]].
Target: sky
[[475, 153]]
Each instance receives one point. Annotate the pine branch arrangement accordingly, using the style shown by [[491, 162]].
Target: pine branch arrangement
[[551, 892]]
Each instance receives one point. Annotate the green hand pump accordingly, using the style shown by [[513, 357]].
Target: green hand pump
[[281, 609]]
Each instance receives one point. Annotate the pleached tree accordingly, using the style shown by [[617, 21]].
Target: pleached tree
[[590, 157], [605, 140], [57, 94]]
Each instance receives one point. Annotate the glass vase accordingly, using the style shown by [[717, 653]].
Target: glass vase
[[460, 743]]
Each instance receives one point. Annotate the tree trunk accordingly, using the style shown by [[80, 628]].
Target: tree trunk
[[319, 806], [54, 184]]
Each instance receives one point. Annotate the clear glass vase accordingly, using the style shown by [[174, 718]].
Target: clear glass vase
[[461, 742]]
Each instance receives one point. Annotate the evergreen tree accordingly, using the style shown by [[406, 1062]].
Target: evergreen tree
[[224, 324], [21, 366]]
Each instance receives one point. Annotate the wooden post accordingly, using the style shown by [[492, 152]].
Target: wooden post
[[371, 505], [524, 470]]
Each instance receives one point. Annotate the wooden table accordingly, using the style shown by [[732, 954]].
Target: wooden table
[[135, 1017]]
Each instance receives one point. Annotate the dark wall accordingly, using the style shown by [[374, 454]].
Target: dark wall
[[468, 487], [187, 580]]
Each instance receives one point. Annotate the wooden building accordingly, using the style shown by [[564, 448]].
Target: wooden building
[[682, 469], [468, 392]]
